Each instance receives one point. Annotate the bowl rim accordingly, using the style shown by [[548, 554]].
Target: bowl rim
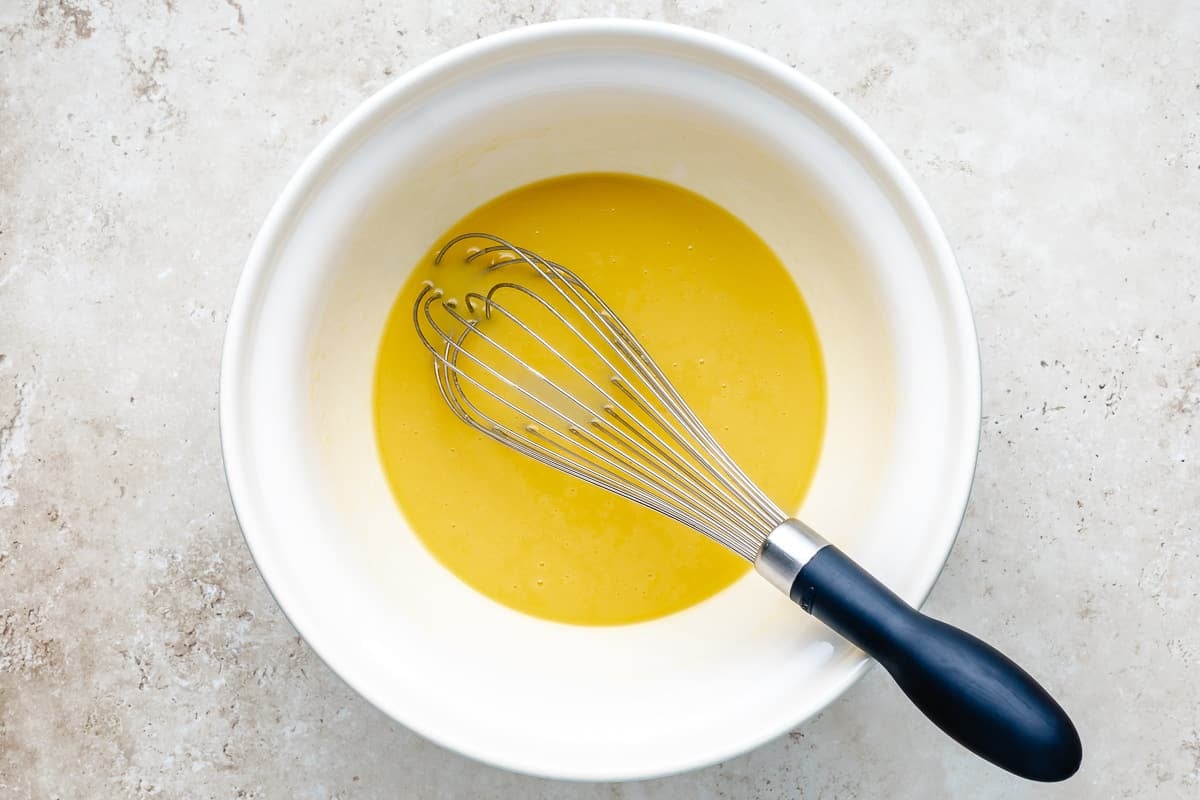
[[887, 170]]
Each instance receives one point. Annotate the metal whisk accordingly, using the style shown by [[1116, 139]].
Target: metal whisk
[[540, 363]]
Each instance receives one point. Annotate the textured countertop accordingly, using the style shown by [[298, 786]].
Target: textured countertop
[[141, 145]]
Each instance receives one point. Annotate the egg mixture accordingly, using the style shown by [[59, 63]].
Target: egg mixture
[[719, 313]]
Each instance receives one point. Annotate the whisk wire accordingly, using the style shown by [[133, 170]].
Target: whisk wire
[[679, 466], [629, 432], [613, 474], [639, 359]]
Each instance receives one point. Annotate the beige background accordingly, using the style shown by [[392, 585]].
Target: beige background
[[141, 144]]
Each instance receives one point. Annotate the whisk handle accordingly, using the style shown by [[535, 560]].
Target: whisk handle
[[966, 687]]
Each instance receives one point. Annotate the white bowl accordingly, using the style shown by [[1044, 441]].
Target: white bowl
[[708, 114]]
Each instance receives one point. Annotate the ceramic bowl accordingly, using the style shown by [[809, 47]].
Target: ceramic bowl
[[296, 421]]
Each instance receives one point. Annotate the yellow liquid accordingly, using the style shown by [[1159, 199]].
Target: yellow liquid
[[721, 316]]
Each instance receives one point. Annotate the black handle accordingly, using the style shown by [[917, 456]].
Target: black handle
[[967, 688]]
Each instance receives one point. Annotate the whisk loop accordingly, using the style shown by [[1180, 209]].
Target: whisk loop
[[563, 381]]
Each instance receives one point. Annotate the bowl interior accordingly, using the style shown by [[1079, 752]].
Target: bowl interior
[[557, 700]]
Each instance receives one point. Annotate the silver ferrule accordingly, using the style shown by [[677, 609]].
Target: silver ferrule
[[785, 552]]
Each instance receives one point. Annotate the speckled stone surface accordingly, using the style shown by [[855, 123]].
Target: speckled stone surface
[[141, 144]]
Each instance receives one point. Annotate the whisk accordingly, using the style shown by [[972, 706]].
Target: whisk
[[540, 363]]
